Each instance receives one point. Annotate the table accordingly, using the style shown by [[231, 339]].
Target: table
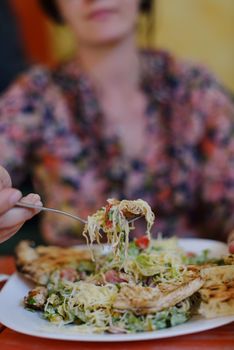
[[221, 338]]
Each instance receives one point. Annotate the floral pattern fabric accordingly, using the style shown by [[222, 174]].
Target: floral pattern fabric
[[51, 127]]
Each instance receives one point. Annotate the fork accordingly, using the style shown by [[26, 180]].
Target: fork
[[32, 206], [56, 211]]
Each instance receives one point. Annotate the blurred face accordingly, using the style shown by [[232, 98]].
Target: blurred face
[[98, 22]]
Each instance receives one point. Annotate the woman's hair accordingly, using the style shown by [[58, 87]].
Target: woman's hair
[[50, 7]]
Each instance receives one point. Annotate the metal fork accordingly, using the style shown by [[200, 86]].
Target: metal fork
[[56, 211], [32, 206]]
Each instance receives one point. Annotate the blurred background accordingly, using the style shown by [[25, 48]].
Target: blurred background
[[198, 30]]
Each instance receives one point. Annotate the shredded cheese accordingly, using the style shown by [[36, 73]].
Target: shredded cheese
[[113, 221]]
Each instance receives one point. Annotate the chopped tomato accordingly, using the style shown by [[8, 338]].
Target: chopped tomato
[[142, 242], [109, 224], [107, 221], [108, 207], [190, 254]]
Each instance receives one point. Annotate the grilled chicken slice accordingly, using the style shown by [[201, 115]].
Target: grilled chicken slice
[[145, 300]]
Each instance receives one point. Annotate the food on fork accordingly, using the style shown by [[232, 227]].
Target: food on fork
[[114, 221]]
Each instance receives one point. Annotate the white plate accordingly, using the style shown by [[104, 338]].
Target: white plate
[[14, 316]]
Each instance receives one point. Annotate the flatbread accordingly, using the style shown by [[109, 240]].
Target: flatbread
[[37, 263], [217, 292]]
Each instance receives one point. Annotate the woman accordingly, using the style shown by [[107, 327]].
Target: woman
[[117, 122]]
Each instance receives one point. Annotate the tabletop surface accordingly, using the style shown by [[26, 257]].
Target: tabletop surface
[[215, 339]]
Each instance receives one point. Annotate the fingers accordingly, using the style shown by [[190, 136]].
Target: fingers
[[5, 180], [231, 247], [7, 233], [231, 242], [32, 198], [8, 198], [17, 216], [11, 217]]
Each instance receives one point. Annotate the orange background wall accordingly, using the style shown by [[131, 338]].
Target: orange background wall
[[34, 29]]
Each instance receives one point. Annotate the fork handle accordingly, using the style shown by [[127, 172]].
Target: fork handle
[[32, 206]]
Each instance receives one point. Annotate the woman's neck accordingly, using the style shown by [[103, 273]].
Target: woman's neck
[[113, 67]]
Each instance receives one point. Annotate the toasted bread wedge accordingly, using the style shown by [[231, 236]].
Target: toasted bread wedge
[[38, 263], [217, 292]]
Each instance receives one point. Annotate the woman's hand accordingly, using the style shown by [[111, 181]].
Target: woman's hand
[[12, 218], [231, 242]]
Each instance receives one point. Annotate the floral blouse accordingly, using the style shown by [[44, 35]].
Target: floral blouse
[[51, 127]]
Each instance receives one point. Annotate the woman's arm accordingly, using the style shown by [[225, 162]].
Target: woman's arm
[[215, 105], [21, 123], [19, 129]]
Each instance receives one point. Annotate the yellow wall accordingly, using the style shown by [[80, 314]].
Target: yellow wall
[[201, 30], [198, 30]]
